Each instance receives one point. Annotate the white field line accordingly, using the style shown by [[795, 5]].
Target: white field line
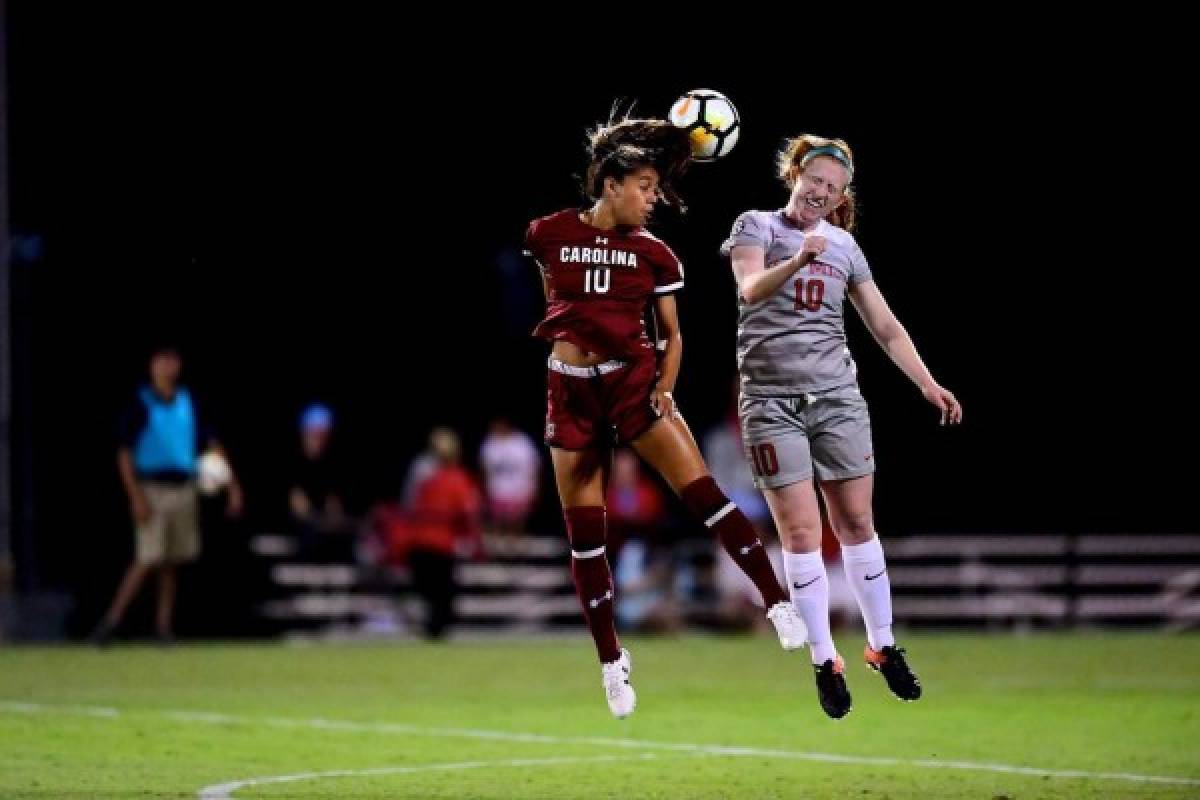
[[211, 718], [224, 791]]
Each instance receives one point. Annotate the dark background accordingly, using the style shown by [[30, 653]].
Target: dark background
[[317, 208]]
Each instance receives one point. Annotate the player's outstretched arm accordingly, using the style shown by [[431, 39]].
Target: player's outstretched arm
[[895, 341]]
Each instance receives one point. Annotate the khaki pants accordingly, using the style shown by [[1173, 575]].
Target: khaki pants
[[172, 533]]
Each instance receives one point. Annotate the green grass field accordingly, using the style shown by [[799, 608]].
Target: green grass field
[[717, 718]]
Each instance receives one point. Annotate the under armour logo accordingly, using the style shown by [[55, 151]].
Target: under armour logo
[[595, 603], [746, 550], [601, 240]]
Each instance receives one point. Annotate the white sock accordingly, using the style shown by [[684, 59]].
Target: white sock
[[809, 588], [867, 571]]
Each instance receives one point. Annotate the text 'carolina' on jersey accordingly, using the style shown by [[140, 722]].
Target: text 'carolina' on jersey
[[600, 282]]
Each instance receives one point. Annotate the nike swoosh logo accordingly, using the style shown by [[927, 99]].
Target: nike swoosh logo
[[876, 575], [802, 585]]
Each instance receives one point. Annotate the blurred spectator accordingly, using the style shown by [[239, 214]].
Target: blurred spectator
[[315, 496], [726, 459], [636, 507], [641, 548], [439, 522], [421, 468], [511, 470], [162, 436]]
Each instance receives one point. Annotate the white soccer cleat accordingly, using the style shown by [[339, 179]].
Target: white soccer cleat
[[620, 695], [793, 633]]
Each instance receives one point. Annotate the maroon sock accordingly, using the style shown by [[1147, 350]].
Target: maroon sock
[[707, 503], [593, 580]]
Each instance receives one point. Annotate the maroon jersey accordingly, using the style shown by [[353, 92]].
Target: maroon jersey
[[600, 282]]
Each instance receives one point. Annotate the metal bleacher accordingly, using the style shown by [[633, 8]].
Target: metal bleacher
[[1033, 580], [1148, 580]]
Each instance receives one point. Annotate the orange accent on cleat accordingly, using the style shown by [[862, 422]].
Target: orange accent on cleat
[[874, 658]]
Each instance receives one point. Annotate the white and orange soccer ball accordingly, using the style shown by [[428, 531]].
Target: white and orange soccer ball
[[711, 121]]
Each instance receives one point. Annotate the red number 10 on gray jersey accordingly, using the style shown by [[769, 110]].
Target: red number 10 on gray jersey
[[809, 294]]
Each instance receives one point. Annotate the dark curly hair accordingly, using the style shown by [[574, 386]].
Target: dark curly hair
[[621, 146]]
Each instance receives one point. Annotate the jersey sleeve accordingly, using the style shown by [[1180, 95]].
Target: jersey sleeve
[[531, 247], [860, 270], [747, 230], [668, 271]]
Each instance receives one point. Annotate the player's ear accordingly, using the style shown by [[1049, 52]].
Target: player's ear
[[611, 185]]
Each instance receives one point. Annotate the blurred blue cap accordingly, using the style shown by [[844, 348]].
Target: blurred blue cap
[[316, 416]]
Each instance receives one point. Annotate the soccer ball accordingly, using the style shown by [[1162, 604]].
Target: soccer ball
[[711, 121], [212, 473]]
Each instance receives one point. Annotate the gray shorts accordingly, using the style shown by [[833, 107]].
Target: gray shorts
[[787, 438]]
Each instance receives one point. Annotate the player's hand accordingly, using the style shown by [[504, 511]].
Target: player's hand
[[236, 503], [946, 402], [663, 403], [140, 508], [813, 246]]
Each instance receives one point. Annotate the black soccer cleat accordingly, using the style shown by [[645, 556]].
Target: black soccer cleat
[[890, 662], [831, 687]]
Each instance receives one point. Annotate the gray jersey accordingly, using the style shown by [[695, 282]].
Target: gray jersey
[[794, 341]]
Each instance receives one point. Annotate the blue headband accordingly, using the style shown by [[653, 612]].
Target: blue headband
[[832, 152]]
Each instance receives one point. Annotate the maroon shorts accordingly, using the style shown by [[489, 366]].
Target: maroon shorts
[[599, 410]]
